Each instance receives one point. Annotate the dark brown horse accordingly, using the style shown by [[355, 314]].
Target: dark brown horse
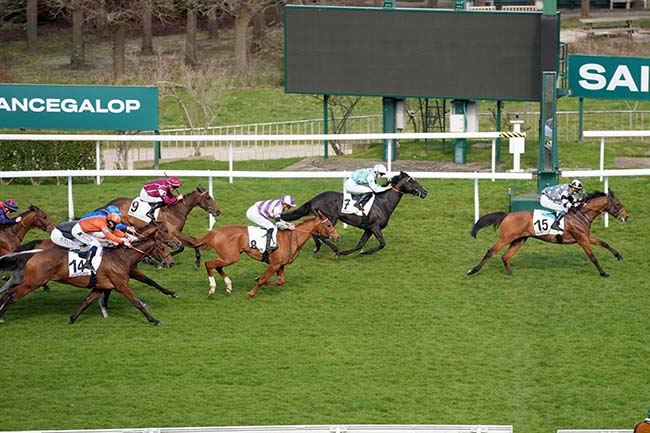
[[517, 227], [230, 241], [174, 216], [33, 270], [11, 235]]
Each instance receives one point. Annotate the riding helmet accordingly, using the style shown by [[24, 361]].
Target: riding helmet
[[173, 181], [113, 217], [575, 183], [114, 209], [380, 169], [11, 204], [288, 199]]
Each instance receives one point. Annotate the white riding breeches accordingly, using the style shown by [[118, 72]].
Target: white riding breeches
[[147, 198], [91, 239], [253, 214], [550, 204], [354, 188], [57, 237]]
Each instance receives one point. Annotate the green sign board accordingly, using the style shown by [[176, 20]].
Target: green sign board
[[605, 77], [78, 107]]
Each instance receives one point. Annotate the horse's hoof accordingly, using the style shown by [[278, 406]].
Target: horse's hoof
[[2, 320], [71, 321], [471, 271], [604, 275], [158, 323], [175, 295], [619, 258]]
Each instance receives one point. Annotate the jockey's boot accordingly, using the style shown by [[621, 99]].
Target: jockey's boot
[[267, 249], [89, 260], [558, 218], [363, 200], [152, 209]]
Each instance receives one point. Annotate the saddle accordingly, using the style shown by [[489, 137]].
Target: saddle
[[66, 229]]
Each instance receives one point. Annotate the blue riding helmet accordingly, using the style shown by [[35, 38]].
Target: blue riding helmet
[[11, 205], [114, 209]]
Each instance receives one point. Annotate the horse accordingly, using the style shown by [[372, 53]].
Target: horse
[[174, 216], [331, 204], [230, 241], [33, 269], [517, 227], [11, 235]]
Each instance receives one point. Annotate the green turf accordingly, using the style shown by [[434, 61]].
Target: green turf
[[403, 336]]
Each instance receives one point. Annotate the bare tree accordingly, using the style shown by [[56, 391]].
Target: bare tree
[[584, 8], [32, 25], [147, 32], [191, 44], [78, 56], [213, 24], [340, 109]]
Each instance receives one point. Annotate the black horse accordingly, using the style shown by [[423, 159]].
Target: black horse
[[331, 204]]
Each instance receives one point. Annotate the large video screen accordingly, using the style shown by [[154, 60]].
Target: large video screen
[[416, 52]]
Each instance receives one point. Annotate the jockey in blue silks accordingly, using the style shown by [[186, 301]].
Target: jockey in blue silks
[[6, 207], [364, 182]]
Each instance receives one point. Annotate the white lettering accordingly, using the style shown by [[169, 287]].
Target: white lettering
[[98, 105], [17, 103], [33, 107], [622, 78], [116, 102], [592, 78], [132, 105], [86, 106], [644, 78], [69, 105], [53, 105], [4, 105]]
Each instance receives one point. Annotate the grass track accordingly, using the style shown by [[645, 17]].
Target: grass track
[[403, 336]]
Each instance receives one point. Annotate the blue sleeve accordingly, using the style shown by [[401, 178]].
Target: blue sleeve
[[5, 220]]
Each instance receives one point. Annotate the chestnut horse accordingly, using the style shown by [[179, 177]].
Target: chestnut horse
[[230, 241], [11, 235], [32, 270], [517, 227], [173, 216]]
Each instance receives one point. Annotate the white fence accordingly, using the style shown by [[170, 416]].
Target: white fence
[[343, 428]]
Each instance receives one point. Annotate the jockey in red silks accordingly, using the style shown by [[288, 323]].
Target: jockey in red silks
[[160, 192], [6, 207]]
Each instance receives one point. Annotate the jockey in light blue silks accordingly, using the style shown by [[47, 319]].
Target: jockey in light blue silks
[[561, 198], [364, 182], [262, 212]]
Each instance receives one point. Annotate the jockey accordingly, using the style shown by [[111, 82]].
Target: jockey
[[262, 212], [121, 229], [6, 207], [160, 192], [97, 231], [364, 182], [561, 198]]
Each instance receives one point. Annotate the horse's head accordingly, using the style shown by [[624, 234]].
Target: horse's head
[[205, 201], [325, 228], [162, 239], [405, 184], [615, 207], [41, 220]]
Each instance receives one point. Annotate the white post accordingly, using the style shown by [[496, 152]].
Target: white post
[[494, 156], [605, 214], [476, 210], [602, 155], [230, 156], [389, 155], [345, 226], [70, 201], [210, 217], [517, 145], [98, 161]]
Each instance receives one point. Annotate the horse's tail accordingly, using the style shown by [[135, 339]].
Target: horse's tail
[[16, 261], [203, 242], [29, 245], [491, 219], [297, 213]]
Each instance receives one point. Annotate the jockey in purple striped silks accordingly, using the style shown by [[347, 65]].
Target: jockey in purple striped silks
[[262, 212]]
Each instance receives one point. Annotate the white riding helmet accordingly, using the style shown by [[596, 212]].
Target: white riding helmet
[[288, 199], [380, 169], [575, 183]]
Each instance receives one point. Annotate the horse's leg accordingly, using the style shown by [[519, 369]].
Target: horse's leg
[[197, 256], [332, 246], [94, 294], [13, 295], [102, 301], [219, 263], [583, 241], [380, 238], [595, 241], [316, 243], [512, 249], [127, 292], [364, 238], [490, 252], [272, 269], [279, 282], [136, 274]]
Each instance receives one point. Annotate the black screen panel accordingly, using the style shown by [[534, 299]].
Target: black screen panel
[[412, 53]]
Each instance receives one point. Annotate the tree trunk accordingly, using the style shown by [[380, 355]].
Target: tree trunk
[[191, 46], [147, 36], [241, 38], [584, 8], [119, 48], [77, 59], [32, 26], [259, 25], [213, 25]]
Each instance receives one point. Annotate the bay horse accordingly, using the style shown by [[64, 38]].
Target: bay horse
[[230, 241], [11, 235], [32, 270], [517, 227], [173, 216], [330, 203]]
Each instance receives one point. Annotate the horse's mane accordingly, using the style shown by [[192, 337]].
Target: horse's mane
[[393, 180], [595, 194]]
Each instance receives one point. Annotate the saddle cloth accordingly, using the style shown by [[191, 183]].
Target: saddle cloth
[[76, 263], [257, 238], [138, 209], [349, 202], [542, 220]]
